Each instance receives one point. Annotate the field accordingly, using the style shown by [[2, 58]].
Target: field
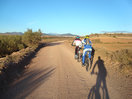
[[113, 49], [111, 43]]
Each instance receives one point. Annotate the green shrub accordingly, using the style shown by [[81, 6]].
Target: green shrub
[[10, 43], [31, 38], [114, 36]]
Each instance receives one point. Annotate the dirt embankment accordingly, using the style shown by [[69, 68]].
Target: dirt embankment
[[12, 66]]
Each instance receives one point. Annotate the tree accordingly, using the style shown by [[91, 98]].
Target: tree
[[32, 38]]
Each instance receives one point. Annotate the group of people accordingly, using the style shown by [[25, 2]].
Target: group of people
[[87, 47]]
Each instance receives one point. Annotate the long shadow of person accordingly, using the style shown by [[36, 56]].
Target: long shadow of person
[[101, 78]]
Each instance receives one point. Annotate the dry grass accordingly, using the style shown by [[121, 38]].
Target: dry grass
[[114, 49], [15, 57], [117, 51], [113, 44], [124, 57], [121, 40]]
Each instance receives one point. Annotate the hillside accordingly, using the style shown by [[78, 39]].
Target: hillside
[[56, 34]]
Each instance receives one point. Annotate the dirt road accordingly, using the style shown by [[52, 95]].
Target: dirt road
[[55, 74]]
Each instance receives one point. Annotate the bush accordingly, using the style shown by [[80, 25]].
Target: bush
[[114, 36], [31, 38], [10, 43], [124, 57]]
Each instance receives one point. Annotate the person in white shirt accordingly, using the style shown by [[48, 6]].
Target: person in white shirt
[[78, 43]]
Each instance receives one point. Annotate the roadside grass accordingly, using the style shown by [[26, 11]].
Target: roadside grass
[[12, 66], [15, 57], [123, 57], [10, 44]]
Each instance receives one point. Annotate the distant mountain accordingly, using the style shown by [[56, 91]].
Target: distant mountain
[[47, 34], [116, 32], [12, 33], [68, 34], [56, 34]]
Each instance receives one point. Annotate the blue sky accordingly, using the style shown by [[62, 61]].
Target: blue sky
[[66, 16]]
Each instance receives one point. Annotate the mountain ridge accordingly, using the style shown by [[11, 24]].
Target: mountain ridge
[[49, 34], [12, 33]]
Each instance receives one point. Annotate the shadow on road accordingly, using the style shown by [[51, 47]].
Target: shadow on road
[[92, 57], [101, 80], [53, 43], [27, 84], [15, 70]]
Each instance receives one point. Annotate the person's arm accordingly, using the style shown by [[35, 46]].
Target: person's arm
[[83, 41], [90, 42]]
